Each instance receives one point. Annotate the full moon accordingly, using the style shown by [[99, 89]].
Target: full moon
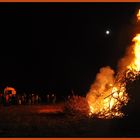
[[107, 32]]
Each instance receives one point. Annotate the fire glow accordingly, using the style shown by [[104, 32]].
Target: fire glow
[[107, 94]]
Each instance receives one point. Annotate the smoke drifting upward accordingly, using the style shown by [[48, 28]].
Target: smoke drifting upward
[[108, 94], [103, 80]]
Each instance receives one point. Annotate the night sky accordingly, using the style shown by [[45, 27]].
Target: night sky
[[58, 47]]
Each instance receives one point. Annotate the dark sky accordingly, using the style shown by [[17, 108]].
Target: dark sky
[[61, 46]]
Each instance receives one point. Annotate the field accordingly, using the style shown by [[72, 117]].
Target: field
[[51, 121]]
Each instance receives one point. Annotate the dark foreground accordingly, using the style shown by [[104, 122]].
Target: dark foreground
[[51, 121]]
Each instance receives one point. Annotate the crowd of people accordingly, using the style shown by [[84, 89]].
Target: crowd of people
[[29, 99]]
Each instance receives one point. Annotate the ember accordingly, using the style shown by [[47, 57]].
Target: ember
[[107, 94]]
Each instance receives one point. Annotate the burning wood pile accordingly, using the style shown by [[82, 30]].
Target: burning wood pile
[[107, 94]]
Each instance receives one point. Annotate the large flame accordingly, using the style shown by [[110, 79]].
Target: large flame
[[108, 94], [135, 64], [138, 15]]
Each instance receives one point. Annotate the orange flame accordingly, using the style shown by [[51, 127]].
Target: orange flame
[[135, 64], [138, 15], [106, 97], [108, 93]]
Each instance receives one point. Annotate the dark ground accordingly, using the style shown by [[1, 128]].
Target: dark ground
[[51, 121]]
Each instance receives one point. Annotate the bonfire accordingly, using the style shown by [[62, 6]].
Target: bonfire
[[107, 94]]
